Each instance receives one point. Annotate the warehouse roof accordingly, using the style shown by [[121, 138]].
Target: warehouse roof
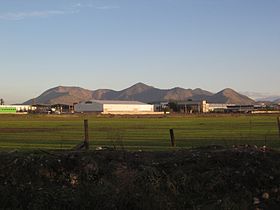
[[116, 102]]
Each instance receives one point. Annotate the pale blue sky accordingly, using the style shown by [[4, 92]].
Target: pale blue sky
[[211, 44]]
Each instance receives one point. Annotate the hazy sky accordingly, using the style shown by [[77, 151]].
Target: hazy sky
[[211, 44]]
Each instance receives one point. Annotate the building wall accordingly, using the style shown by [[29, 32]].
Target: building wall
[[88, 107], [217, 107], [107, 108], [204, 107], [92, 106]]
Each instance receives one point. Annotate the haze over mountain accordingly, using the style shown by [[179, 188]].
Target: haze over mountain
[[140, 92]]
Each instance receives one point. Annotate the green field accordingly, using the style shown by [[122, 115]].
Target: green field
[[136, 133]]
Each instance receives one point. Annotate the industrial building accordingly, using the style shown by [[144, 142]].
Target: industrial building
[[193, 106], [114, 107], [189, 107], [240, 108], [235, 108], [218, 108]]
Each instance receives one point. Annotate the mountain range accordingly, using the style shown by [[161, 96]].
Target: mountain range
[[139, 92]]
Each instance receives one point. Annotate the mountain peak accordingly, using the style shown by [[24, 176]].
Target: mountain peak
[[61, 88], [179, 89], [140, 85], [137, 88], [228, 90]]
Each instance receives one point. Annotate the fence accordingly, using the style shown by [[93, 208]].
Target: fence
[[138, 134]]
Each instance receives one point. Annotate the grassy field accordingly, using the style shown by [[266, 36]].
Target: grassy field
[[135, 133]]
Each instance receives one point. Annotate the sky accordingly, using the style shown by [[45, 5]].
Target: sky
[[208, 44]]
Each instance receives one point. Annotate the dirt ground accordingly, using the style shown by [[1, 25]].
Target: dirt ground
[[243, 177]]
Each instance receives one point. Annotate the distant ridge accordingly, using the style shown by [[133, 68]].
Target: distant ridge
[[139, 92]]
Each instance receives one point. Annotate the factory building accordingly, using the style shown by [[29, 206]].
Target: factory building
[[114, 107]]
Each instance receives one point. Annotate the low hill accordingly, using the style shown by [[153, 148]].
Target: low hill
[[140, 92]]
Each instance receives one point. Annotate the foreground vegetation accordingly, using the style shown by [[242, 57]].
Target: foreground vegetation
[[204, 178], [136, 133]]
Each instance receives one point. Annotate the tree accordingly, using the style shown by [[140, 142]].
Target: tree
[[1, 101]]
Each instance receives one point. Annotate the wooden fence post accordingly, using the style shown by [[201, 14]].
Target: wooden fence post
[[278, 122], [172, 137], [86, 141]]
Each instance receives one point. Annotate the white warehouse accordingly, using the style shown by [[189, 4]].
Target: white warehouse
[[114, 107]]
